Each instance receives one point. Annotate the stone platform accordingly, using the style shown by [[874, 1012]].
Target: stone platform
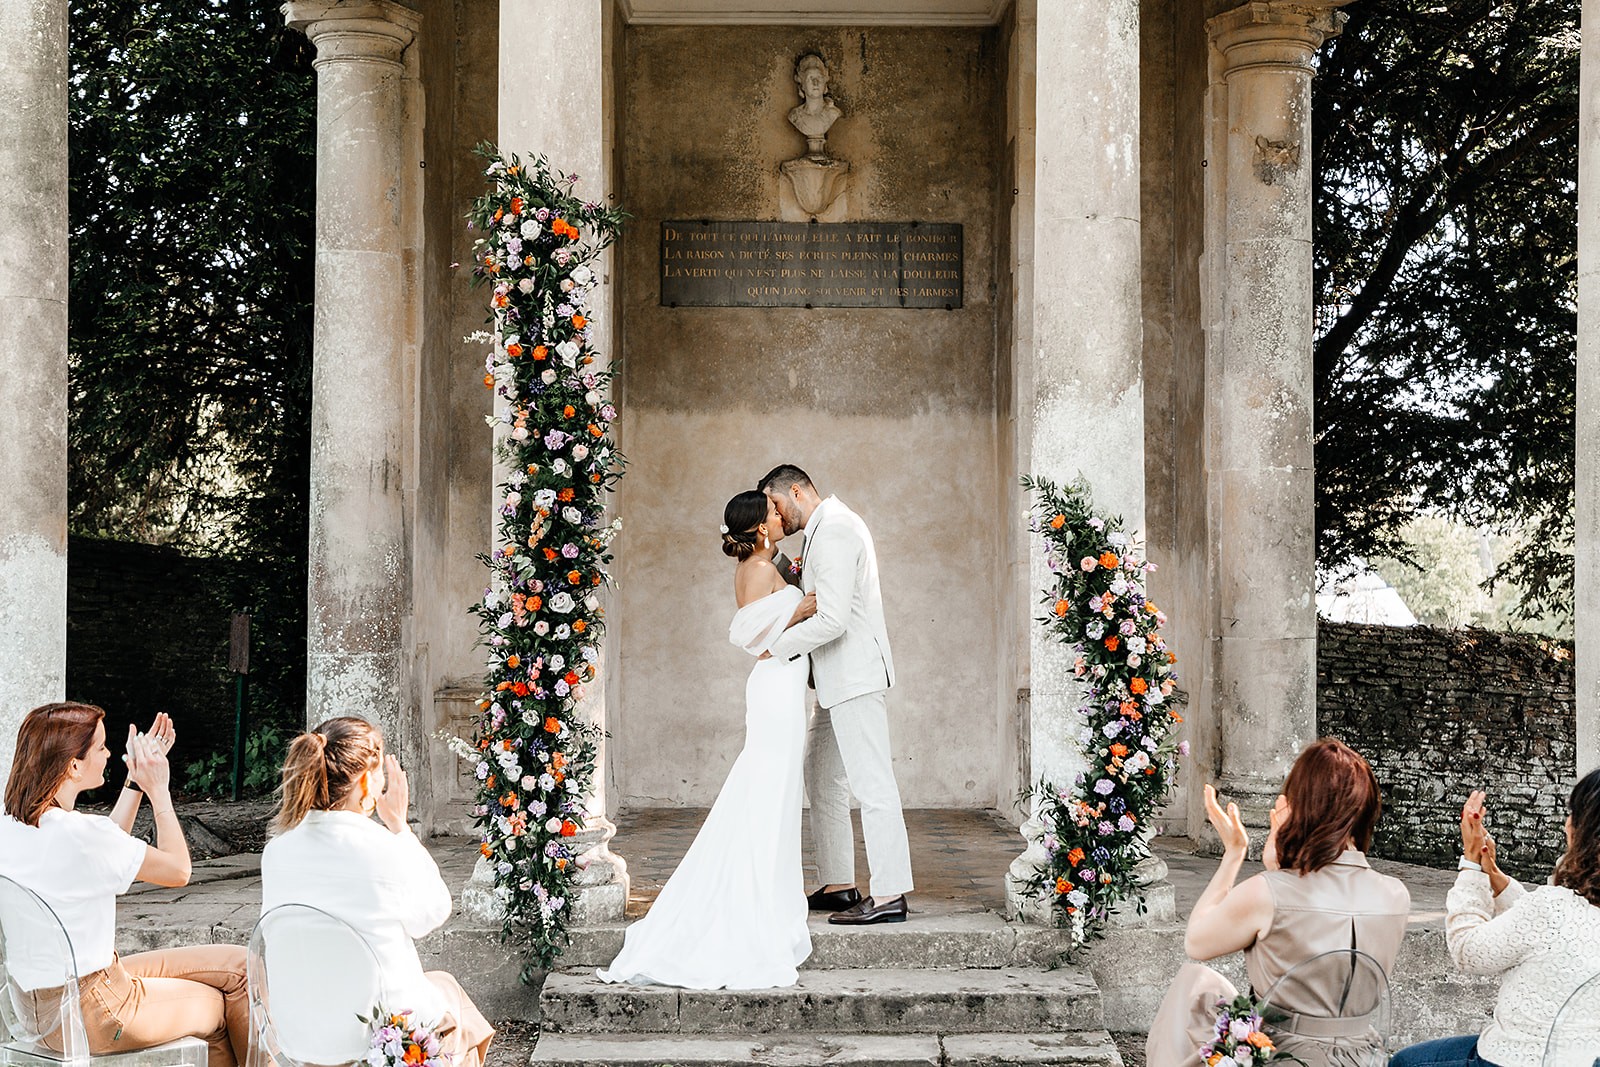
[[955, 985]]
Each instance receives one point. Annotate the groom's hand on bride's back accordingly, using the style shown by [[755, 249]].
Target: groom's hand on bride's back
[[807, 607]]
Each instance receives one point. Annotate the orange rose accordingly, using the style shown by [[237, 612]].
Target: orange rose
[[540, 352], [552, 725], [1260, 1040], [574, 577], [1112, 642], [568, 411], [578, 626], [1108, 560], [1063, 886], [1058, 522], [513, 662], [565, 495], [513, 351], [1119, 750], [1062, 607], [488, 381], [594, 431], [535, 603], [551, 555], [516, 205], [579, 322], [1139, 685], [1075, 857], [568, 828], [485, 849]]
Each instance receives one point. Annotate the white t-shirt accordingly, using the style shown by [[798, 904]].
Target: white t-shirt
[[78, 864]]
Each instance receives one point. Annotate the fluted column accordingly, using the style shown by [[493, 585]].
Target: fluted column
[[1259, 391], [1587, 519], [362, 408], [1079, 386], [33, 361]]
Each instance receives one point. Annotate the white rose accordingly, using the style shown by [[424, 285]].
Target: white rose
[[562, 602], [560, 466], [568, 351], [513, 499], [583, 275], [529, 781], [580, 451], [530, 228], [541, 628], [547, 783], [591, 398], [557, 662], [548, 377], [572, 515], [544, 498], [552, 825], [591, 602], [566, 285], [519, 434], [563, 632], [526, 285]]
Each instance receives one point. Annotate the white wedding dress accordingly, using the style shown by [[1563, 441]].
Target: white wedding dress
[[733, 915]]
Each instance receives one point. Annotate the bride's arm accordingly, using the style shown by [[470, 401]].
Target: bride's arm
[[803, 610]]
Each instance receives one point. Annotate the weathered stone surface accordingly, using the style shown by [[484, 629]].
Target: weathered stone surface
[[1439, 713], [33, 369], [1070, 1049], [796, 1050], [843, 1001], [1586, 513]]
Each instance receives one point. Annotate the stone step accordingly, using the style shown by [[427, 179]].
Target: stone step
[[1090, 1048], [833, 1001], [952, 941]]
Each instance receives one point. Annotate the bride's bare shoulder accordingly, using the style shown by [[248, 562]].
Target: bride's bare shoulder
[[755, 578]]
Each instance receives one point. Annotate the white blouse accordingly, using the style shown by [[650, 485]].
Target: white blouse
[[1546, 943], [78, 863], [384, 884]]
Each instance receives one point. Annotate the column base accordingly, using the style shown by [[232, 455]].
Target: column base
[[600, 890], [1150, 876]]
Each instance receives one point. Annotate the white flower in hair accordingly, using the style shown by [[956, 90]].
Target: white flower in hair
[[724, 528]]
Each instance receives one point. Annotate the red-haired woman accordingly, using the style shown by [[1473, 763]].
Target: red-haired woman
[[80, 863], [1545, 942], [327, 851], [1316, 895]]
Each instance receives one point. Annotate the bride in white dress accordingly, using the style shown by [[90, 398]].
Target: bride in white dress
[[733, 915]]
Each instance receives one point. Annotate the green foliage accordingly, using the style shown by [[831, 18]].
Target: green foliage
[[192, 136], [265, 746], [1445, 223]]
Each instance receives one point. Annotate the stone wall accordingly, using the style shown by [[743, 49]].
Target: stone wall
[[1442, 712], [147, 631]]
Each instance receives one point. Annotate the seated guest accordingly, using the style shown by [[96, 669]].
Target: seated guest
[[329, 853], [79, 864], [1545, 943], [1316, 895]]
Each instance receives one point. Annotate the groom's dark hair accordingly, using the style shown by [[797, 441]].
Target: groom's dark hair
[[782, 477]]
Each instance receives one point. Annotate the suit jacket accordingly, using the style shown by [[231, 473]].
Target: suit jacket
[[847, 637]]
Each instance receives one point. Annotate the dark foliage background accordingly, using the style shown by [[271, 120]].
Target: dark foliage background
[[192, 130], [1446, 228]]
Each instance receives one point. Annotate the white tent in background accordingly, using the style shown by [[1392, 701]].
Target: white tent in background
[[1364, 597]]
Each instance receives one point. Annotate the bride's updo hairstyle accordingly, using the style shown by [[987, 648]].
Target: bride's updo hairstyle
[[740, 518], [323, 766], [1333, 797]]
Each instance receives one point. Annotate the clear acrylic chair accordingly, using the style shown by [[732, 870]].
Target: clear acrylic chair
[[311, 977], [1574, 1039], [39, 1007], [1336, 998]]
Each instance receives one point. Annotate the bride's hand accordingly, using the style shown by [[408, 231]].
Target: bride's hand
[[804, 610]]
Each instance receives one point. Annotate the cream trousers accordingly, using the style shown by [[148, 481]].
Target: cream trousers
[[847, 751]]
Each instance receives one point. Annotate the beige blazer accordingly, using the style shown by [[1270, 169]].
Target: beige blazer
[[847, 637]]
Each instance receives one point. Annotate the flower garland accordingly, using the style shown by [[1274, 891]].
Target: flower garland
[[1095, 833], [540, 618]]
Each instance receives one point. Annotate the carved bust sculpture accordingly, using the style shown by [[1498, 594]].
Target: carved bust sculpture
[[817, 111]]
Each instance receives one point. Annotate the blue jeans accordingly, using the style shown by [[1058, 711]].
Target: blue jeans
[[1444, 1052]]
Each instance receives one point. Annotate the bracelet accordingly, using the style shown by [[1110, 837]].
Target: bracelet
[[158, 812], [1465, 864], [131, 787]]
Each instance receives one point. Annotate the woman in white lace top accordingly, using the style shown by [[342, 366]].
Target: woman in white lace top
[[1545, 942]]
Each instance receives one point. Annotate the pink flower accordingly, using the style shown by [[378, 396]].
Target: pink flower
[[1088, 563]]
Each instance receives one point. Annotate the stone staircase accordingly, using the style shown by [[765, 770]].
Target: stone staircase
[[950, 988]]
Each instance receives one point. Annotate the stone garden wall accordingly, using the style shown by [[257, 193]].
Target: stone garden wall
[[1442, 712]]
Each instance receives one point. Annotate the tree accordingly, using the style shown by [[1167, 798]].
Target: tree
[[192, 136], [1446, 226]]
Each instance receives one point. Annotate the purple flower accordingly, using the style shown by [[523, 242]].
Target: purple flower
[[569, 551], [1105, 828], [1105, 787], [1183, 748], [1125, 824], [1086, 875]]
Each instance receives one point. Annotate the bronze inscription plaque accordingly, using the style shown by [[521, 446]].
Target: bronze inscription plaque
[[811, 264]]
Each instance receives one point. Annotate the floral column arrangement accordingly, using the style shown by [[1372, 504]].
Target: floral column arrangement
[[541, 618], [1097, 831]]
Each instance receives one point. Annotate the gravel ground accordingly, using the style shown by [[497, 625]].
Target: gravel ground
[[513, 1043], [1131, 1046]]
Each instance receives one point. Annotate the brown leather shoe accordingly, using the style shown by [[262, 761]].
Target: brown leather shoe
[[868, 912], [837, 900]]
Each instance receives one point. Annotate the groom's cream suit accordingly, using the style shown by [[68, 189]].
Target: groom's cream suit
[[848, 748]]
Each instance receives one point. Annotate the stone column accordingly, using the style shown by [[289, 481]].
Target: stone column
[[33, 362], [1587, 519], [1080, 354], [362, 381], [1258, 412], [555, 101]]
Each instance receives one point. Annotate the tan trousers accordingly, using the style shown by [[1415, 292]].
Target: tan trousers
[[463, 1032], [153, 997]]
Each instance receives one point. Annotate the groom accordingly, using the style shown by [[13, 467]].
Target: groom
[[848, 747]]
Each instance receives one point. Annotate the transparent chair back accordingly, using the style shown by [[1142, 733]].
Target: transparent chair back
[[1338, 998], [311, 976], [1574, 1039], [39, 1005]]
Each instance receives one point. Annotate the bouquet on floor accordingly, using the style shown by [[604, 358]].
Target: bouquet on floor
[[399, 1041], [1238, 1039]]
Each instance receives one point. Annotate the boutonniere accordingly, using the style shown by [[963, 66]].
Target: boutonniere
[[795, 565]]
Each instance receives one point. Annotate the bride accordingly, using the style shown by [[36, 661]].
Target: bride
[[733, 915]]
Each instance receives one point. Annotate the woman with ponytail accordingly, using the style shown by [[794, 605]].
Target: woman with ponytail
[[328, 852], [80, 863]]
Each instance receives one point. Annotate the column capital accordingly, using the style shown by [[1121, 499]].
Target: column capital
[[354, 29], [1275, 32]]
